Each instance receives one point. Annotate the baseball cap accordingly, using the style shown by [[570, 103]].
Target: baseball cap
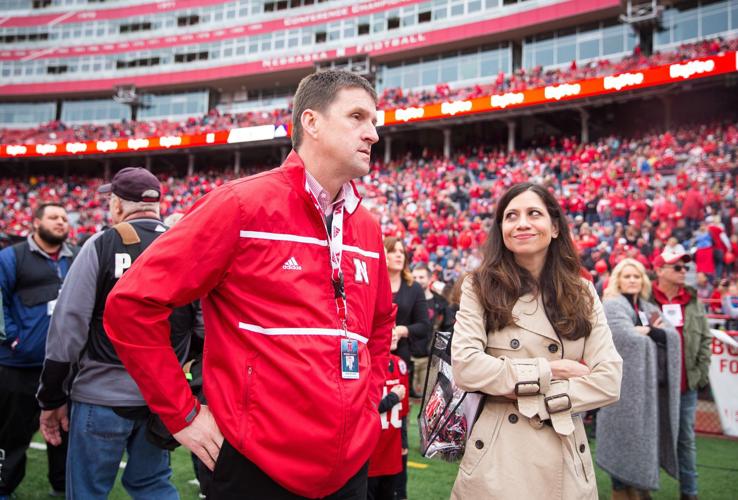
[[669, 257], [134, 184]]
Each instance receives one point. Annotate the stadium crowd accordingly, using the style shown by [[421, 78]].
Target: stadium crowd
[[521, 79], [625, 197], [629, 201]]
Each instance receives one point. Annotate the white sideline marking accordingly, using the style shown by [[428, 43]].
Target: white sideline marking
[[42, 447]]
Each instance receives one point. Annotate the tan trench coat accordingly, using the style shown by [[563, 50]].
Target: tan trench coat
[[511, 456]]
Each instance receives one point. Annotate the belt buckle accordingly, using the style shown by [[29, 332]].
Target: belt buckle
[[528, 388], [553, 406]]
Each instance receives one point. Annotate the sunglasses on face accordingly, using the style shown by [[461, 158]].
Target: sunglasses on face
[[680, 267]]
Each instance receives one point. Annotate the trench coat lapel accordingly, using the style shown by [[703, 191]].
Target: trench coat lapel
[[529, 314]]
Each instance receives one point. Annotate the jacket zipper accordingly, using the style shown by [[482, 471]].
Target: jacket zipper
[[247, 416]]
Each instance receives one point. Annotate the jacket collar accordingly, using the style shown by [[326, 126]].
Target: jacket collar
[[294, 168], [684, 296], [626, 302], [528, 313], [64, 251]]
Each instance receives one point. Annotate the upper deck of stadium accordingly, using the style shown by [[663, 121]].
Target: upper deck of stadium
[[192, 56], [83, 51]]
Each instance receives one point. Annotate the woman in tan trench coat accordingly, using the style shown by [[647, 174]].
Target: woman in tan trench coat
[[532, 336]]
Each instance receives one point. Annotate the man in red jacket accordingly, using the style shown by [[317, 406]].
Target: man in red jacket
[[297, 308]]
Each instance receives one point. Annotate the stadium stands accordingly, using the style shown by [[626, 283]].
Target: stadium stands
[[624, 196], [58, 132]]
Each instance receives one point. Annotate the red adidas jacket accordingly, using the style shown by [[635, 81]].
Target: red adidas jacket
[[256, 251]]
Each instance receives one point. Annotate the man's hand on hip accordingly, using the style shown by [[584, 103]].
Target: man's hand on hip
[[202, 437], [51, 421]]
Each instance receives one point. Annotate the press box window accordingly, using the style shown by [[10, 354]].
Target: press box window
[[138, 63], [134, 27], [193, 56], [23, 37], [188, 20]]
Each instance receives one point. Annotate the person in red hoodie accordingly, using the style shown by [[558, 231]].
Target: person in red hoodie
[[693, 207], [386, 461], [297, 304], [720, 244]]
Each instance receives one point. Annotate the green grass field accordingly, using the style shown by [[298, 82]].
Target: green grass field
[[717, 461]]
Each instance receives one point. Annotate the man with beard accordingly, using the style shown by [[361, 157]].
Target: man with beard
[[31, 275]]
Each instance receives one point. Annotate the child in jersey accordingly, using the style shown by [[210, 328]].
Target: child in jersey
[[386, 461]]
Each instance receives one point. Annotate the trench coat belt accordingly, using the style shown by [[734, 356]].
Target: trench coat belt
[[535, 421]]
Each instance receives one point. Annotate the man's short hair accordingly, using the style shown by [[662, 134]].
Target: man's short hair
[[422, 267], [318, 91], [39, 212]]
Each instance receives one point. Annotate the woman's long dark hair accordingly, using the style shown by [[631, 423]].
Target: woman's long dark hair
[[499, 281]]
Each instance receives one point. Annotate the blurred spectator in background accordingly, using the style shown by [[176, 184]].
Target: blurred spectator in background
[[31, 276], [412, 326], [730, 306], [439, 317], [386, 462], [649, 393], [681, 308], [107, 415], [703, 287]]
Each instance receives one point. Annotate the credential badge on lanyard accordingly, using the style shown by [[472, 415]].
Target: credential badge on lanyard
[[349, 347]]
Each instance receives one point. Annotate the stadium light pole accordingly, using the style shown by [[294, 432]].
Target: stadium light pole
[[584, 119], [237, 162], [447, 143], [667, 101], [190, 165], [510, 136]]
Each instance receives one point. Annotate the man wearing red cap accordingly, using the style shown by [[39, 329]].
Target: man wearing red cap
[[680, 305]]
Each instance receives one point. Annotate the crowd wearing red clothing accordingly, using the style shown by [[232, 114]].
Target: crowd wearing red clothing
[[522, 79], [519, 80], [625, 197], [57, 132]]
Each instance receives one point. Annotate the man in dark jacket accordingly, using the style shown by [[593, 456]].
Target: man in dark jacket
[[108, 414], [31, 275], [681, 307], [441, 321]]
